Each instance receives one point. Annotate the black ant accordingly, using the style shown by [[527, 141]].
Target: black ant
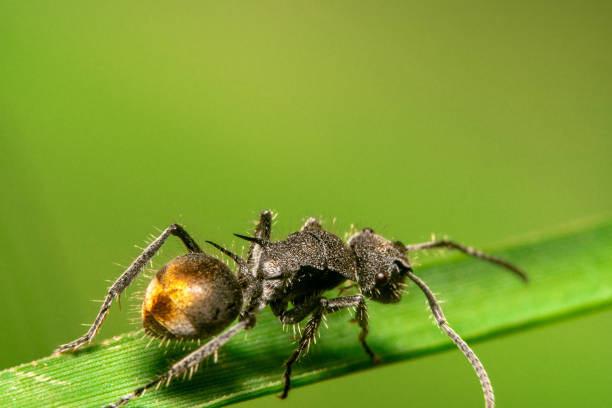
[[196, 296]]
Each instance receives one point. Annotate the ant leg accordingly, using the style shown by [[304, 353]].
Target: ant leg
[[361, 316], [485, 383], [190, 362], [264, 225], [298, 312], [447, 244], [309, 335], [187, 240], [327, 306], [126, 279], [312, 224], [262, 233], [346, 287], [247, 270]]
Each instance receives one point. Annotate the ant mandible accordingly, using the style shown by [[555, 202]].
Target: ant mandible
[[196, 296]]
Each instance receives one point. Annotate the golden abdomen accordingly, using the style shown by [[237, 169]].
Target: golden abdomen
[[193, 296]]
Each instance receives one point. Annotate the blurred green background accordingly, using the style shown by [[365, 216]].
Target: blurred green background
[[485, 121]]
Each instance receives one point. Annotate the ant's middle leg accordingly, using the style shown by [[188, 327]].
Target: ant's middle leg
[[310, 332], [127, 278], [296, 314]]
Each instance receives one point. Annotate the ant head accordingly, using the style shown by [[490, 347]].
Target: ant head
[[381, 266]]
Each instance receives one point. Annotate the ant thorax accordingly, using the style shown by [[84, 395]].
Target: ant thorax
[[305, 264]]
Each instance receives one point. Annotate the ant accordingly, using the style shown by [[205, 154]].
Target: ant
[[196, 296]]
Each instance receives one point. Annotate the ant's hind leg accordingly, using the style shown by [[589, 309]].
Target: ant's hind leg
[[127, 278], [190, 362]]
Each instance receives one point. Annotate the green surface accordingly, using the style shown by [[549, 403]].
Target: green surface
[[571, 274], [484, 121]]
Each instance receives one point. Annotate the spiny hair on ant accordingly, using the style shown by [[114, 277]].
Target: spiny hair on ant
[[196, 296]]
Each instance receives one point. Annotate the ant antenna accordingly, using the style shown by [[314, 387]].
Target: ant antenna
[[485, 383]]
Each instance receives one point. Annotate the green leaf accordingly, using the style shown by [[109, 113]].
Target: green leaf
[[569, 274]]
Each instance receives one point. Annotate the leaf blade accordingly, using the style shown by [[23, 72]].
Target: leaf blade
[[569, 274]]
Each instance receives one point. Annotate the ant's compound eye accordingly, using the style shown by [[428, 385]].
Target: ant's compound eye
[[381, 279]]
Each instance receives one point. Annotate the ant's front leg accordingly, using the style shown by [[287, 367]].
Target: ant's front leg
[[127, 278], [362, 317], [310, 332]]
